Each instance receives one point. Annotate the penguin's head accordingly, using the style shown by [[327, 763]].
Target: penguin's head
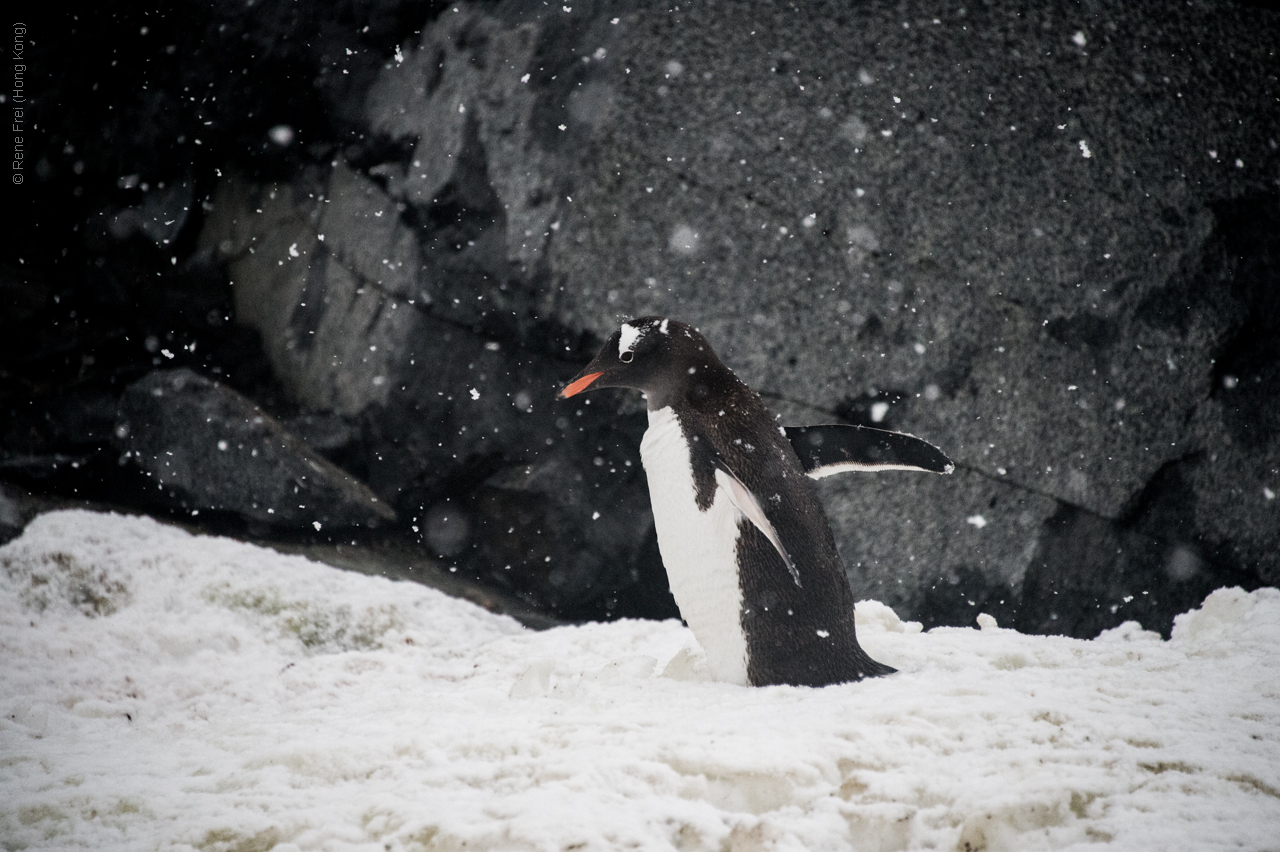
[[655, 355]]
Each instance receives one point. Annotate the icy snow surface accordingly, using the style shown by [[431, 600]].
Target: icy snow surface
[[165, 691]]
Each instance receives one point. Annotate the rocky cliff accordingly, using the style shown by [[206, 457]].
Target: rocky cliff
[[1046, 239]]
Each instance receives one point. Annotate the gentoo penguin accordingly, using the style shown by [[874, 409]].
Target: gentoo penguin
[[748, 550]]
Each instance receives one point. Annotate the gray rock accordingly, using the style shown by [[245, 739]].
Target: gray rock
[[920, 542], [1088, 574], [448, 397], [971, 219], [209, 448], [965, 222], [325, 433], [572, 537], [1043, 241]]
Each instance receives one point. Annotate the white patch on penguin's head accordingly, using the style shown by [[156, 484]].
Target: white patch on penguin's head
[[628, 336]]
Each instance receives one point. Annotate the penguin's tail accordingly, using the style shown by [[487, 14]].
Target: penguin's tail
[[868, 667], [864, 667]]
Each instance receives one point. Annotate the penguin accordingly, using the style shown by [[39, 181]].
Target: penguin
[[749, 553]]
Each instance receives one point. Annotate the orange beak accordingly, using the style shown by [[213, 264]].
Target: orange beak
[[579, 385]]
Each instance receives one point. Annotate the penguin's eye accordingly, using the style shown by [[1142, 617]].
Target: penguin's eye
[[627, 357]]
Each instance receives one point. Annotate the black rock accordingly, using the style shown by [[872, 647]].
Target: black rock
[[17, 508]]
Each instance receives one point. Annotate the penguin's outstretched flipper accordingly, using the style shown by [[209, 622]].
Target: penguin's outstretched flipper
[[828, 450]]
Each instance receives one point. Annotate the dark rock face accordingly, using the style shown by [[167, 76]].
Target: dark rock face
[[1046, 240], [977, 222], [206, 447]]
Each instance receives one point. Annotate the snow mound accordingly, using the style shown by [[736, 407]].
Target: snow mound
[[1229, 618], [174, 692]]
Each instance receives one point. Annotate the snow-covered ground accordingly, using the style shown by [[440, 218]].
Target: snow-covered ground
[[165, 691]]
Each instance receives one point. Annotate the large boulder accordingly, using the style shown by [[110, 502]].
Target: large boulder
[[456, 385], [1045, 241], [206, 447]]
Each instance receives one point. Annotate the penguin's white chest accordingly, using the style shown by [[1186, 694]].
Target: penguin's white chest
[[699, 549]]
